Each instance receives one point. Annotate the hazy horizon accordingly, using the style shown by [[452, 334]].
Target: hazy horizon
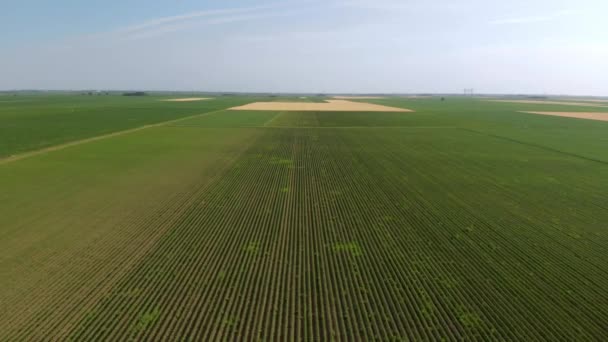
[[6, 92], [333, 46]]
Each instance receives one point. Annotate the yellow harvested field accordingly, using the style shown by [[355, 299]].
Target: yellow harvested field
[[551, 103], [579, 115], [328, 106], [190, 99]]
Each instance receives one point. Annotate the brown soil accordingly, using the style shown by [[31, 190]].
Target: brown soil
[[579, 115]]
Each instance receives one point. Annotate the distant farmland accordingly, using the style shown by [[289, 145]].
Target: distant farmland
[[461, 220]]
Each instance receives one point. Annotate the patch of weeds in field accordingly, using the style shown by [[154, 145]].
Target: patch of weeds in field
[[428, 310], [470, 320], [252, 248], [447, 282], [364, 290], [230, 322], [147, 319], [280, 161], [349, 247], [285, 162], [285, 189]]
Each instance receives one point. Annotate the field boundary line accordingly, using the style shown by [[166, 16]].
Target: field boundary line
[[542, 147], [319, 127], [363, 127], [267, 123], [59, 147]]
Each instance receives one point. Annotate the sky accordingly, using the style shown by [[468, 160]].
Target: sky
[[307, 46]]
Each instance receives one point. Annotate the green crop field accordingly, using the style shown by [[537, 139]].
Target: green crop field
[[33, 122], [464, 220]]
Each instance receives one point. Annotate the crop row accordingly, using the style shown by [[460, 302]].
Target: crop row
[[90, 223], [392, 234]]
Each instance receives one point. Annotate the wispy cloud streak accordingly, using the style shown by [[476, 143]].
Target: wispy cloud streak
[[164, 25]]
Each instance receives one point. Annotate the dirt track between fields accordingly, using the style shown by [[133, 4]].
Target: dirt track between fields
[[328, 106], [579, 115]]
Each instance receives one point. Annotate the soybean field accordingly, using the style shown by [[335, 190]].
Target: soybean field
[[461, 220]]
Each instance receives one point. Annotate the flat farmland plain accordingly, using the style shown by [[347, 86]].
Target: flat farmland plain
[[453, 222], [29, 123]]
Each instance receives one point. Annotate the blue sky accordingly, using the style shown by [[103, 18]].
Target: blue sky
[[350, 46]]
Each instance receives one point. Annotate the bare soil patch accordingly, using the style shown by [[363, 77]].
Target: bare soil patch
[[328, 106], [583, 104], [189, 99], [579, 115]]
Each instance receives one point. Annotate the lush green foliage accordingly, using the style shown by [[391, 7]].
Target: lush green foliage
[[462, 221]]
